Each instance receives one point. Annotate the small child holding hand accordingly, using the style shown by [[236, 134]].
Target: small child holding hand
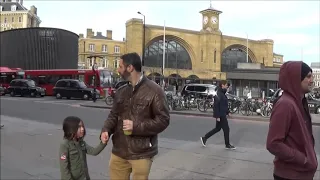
[[73, 150]]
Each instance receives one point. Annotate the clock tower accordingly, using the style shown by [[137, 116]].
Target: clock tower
[[210, 19], [210, 40]]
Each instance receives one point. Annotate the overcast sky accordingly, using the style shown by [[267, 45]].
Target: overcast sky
[[293, 25]]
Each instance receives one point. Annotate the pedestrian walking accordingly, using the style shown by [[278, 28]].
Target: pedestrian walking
[[290, 138], [220, 112], [73, 150], [139, 113]]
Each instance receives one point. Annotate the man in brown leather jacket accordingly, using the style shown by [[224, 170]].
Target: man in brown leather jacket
[[139, 113]]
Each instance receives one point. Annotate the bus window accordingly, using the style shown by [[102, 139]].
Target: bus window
[[106, 79], [42, 80], [6, 79], [81, 77]]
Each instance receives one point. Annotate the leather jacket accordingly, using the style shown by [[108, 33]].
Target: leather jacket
[[147, 107]]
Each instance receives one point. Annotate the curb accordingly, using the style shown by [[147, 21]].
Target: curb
[[247, 118]]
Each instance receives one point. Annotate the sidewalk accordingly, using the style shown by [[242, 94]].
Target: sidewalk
[[29, 150], [102, 105]]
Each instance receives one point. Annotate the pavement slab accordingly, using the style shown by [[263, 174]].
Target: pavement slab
[[29, 150]]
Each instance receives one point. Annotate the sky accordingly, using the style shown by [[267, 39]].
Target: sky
[[293, 25]]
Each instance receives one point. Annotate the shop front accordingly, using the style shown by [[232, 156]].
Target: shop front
[[258, 81]]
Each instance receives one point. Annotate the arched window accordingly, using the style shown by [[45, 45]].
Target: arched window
[[231, 56], [176, 56]]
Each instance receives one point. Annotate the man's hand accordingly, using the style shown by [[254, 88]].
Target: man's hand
[[229, 115], [127, 125], [218, 119], [104, 137]]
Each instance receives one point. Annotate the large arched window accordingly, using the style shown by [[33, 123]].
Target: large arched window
[[176, 56], [231, 56]]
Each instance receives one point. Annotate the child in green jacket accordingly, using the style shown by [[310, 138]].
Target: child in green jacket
[[73, 150]]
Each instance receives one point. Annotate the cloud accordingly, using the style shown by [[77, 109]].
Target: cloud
[[292, 39], [312, 51], [300, 22]]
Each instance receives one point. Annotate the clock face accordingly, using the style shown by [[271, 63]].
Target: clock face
[[205, 20], [214, 20]]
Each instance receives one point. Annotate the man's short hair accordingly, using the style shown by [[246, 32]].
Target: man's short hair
[[132, 59], [222, 82]]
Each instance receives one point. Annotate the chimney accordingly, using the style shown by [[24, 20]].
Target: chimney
[[99, 34], [80, 35], [90, 33], [109, 34], [33, 10]]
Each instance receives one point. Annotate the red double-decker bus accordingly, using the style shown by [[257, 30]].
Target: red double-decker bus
[[48, 78], [8, 74]]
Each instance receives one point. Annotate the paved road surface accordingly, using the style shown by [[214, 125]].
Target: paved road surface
[[188, 128], [180, 154]]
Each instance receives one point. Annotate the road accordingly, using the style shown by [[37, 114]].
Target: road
[[187, 128], [33, 130]]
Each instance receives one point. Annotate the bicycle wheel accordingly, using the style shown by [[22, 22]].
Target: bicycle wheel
[[245, 109], [201, 106], [109, 100], [268, 111], [263, 110], [233, 107]]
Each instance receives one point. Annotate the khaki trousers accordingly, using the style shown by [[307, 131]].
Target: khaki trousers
[[120, 169]]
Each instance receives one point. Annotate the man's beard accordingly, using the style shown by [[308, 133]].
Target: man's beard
[[125, 75]]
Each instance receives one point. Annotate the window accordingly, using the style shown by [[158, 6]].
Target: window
[[13, 8], [215, 56], [91, 47], [231, 57], [176, 55], [20, 19], [117, 49], [200, 88], [0, 8], [61, 84], [201, 55], [74, 84], [82, 84], [104, 48], [31, 83], [12, 19], [116, 63], [5, 20], [104, 62]]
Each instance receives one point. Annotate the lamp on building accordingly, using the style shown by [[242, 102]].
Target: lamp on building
[[144, 36]]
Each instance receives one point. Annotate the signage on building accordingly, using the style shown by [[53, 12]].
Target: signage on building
[[5, 25]]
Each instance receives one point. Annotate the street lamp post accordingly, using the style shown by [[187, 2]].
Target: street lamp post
[[144, 37], [94, 70], [247, 49]]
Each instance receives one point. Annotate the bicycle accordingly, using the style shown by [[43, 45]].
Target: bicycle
[[109, 100], [245, 107]]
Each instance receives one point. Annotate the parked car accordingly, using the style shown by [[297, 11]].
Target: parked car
[[2, 91], [73, 88], [25, 87], [201, 90], [313, 102]]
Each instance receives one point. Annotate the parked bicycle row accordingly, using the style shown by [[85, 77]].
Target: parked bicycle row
[[199, 97]]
